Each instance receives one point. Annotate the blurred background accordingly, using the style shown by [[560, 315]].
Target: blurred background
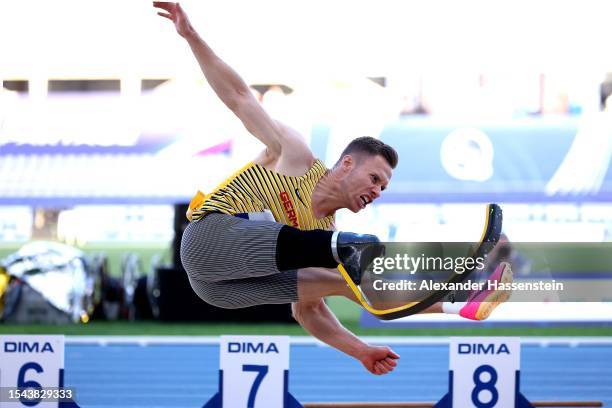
[[107, 129]]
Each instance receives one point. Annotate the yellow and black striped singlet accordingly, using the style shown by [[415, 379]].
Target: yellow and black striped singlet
[[255, 189]]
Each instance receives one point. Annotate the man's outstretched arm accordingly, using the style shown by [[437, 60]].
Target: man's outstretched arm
[[318, 320], [231, 88]]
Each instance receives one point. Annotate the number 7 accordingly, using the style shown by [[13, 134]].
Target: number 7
[[261, 371]]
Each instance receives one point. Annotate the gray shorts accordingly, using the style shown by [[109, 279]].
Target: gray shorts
[[231, 262]]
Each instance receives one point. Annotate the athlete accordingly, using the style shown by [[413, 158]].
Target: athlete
[[266, 235]]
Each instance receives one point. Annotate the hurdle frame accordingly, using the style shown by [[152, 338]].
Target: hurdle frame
[[144, 341], [550, 404]]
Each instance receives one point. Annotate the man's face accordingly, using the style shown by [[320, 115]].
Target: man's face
[[366, 177]]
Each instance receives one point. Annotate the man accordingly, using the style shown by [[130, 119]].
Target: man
[[265, 235]]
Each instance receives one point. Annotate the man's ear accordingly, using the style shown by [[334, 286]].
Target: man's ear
[[347, 162]]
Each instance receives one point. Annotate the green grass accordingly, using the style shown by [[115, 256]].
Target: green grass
[[210, 329], [345, 310]]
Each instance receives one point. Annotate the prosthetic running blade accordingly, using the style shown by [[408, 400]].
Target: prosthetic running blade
[[490, 237]]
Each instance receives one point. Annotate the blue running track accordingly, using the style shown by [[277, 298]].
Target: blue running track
[[155, 375]]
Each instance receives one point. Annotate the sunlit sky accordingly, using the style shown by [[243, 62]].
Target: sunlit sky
[[278, 39]]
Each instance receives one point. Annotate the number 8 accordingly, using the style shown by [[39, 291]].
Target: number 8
[[482, 386]]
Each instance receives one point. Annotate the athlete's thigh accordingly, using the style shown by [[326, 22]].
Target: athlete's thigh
[[222, 247], [238, 293], [317, 283]]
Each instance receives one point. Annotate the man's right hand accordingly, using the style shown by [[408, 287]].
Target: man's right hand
[[379, 360], [175, 13]]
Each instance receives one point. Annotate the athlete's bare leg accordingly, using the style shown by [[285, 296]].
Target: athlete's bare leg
[[317, 283]]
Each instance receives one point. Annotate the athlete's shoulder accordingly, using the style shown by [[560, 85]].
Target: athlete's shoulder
[[293, 145]]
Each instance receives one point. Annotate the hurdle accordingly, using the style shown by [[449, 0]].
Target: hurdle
[[550, 404]]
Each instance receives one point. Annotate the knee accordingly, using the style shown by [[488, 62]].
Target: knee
[[301, 309]]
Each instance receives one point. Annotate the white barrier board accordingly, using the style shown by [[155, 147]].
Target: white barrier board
[[484, 371], [254, 370], [30, 362]]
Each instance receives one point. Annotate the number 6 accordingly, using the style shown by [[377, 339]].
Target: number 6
[[22, 384]]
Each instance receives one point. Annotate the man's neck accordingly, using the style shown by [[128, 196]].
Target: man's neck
[[326, 197]]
